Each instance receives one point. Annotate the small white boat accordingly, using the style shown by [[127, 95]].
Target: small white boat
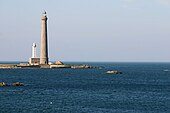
[[113, 72], [166, 70]]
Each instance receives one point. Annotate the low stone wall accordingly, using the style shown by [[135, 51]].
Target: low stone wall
[[59, 66], [3, 66]]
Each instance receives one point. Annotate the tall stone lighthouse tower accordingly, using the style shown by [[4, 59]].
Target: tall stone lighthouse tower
[[44, 42]]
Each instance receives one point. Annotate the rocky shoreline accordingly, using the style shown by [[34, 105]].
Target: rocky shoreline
[[14, 66]]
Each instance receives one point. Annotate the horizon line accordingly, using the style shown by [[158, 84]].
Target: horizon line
[[101, 61]]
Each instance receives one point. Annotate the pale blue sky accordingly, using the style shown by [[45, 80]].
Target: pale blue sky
[[87, 30]]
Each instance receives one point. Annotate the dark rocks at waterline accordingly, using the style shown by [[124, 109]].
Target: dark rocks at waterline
[[17, 84], [4, 84], [85, 67], [14, 84]]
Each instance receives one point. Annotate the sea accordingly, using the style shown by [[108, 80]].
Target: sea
[[142, 88]]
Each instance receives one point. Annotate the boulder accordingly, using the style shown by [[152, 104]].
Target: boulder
[[17, 84], [3, 84], [59, 63]]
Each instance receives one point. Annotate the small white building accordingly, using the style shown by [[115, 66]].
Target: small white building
[[34, 60]]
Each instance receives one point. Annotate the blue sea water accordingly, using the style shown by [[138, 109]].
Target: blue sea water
[[142, 88]]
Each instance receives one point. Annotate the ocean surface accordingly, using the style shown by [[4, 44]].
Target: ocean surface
[[142, 88]]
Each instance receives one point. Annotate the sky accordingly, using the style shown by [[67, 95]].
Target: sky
[[87, 30]]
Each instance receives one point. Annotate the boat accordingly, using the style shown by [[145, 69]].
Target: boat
[[166, 70], [113, 72]]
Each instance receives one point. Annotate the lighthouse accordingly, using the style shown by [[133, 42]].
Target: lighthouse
[[34, 60], [44, 41], [34, 50]]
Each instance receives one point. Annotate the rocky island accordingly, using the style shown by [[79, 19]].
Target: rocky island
[[57, 64], [43, 60]]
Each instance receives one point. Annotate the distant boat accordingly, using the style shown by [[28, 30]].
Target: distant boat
[[113, 72], [166, 70]]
